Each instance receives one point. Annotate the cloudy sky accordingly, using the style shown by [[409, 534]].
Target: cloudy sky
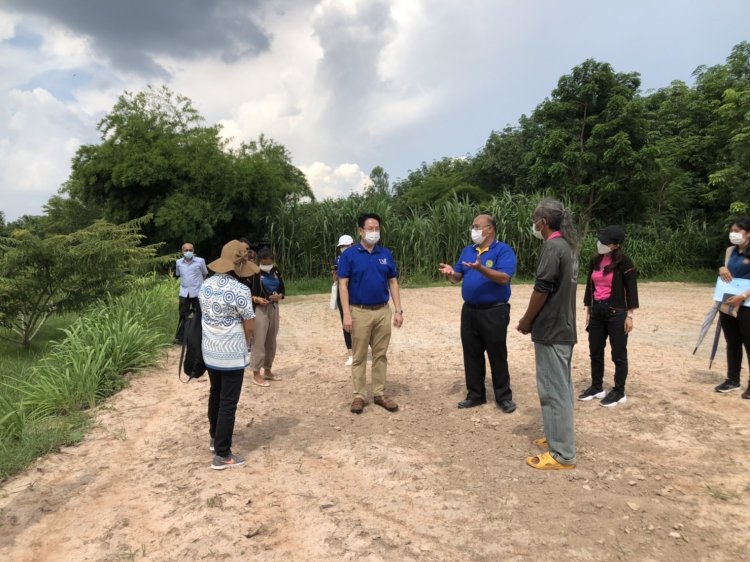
[[345, 85]]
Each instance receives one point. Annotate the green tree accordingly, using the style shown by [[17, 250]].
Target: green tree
[[443, 180], [157, 156], [381, 183], [39, 276], [592, 145]]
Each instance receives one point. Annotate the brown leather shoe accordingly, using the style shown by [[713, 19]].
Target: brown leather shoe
[[357, 406], [386, 403]]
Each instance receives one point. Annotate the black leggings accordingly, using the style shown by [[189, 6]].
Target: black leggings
[[737, 335], [604, 323]]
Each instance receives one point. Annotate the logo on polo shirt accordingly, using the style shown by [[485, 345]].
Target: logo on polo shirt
[[489, 263], [383, 261]]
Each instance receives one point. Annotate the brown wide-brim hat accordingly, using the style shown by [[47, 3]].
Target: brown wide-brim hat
[[234, 258]]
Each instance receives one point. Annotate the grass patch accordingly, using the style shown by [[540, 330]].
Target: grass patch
[[44, 396]]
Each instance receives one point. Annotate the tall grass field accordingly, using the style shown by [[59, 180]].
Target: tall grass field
[[304, 237], [43, 406]]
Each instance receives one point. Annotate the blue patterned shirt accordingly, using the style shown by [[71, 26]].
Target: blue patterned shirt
[[225, 305]]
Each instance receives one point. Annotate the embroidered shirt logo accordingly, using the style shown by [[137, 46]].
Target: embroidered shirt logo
[[383, 261], [489, 263]]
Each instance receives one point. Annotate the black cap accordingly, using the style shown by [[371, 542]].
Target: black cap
[[611, 235]]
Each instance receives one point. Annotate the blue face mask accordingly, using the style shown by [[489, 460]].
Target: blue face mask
[[188, 255]]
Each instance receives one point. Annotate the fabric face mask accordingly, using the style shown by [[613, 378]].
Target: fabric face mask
[[266, 268], [372, 237], [736, 238], [602, 248], [535, 232], [188, 255], [476, 236]]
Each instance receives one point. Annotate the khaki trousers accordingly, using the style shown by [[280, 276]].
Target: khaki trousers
[[371, 328], [264, 341]]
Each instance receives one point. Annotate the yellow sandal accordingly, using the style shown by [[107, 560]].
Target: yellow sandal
[[546, 461], [541, 442]]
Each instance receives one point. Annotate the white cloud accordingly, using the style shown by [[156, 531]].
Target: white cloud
[[7, 27], [66, 49], [327, 182], [38, 137]]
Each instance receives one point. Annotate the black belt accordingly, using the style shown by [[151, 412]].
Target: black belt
[[370, 306], [485, 306]]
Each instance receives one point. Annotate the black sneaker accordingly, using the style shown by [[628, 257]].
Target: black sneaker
[[746, 394], [727, 386], [590, 393], [614, 398]]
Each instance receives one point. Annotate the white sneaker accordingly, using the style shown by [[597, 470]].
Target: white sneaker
[[349, 361]]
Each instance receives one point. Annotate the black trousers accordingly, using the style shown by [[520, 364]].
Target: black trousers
[[737, 335], [347, 335], [223, 397], [485, 330], [607, 323], [187, 305]]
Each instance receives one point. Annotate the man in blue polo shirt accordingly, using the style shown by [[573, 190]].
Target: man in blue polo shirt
[[367, 274], [486, 268], [192, 271]]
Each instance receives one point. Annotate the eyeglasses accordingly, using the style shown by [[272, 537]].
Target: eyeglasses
[[479, 227]]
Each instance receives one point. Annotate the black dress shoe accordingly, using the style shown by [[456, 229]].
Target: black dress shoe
[[471, 403], [507, 406]]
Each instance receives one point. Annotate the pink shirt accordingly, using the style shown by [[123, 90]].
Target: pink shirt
[[602, 281]]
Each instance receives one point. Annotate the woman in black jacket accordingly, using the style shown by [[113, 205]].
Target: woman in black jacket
[[611, 298], [267, 289]]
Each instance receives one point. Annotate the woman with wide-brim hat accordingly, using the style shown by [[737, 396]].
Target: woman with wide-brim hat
[[227, 323]]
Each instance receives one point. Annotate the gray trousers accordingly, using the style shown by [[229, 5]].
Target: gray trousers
[[554, 382]]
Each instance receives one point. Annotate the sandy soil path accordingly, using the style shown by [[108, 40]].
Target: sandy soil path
[[663, 477]]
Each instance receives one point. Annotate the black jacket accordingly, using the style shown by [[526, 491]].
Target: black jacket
[[624, 285], [257, 289]]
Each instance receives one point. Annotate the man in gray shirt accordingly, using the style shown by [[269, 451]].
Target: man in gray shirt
[[551, 320]]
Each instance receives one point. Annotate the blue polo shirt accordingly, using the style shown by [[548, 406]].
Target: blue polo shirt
[[479, 289], [368, 273]]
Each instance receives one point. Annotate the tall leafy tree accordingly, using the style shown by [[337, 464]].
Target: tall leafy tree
[[158, 156], [592, 142]]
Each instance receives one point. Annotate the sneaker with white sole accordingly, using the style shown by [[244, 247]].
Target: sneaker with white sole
[[349, 361], [727, 386], [614, 398], [590, 393], [220, 463]]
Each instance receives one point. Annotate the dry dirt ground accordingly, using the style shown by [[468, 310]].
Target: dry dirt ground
[[662, 477]]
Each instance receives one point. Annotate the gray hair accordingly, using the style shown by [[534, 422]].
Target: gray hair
[[558, 218]]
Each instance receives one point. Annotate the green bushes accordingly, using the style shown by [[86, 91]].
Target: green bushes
[[115, 336]]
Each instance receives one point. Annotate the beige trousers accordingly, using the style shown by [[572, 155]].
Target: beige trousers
[[370, 328], [264, 341]]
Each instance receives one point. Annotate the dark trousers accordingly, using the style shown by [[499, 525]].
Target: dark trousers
[[736, 334], [347, 335], [187, 305], [222, 407], [603, 323], [485, 330]]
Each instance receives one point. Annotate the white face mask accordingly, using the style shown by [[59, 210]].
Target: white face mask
[[535, 232], [602, 248], [736, 238], [476, 236], [266, 268], [372, 237]]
